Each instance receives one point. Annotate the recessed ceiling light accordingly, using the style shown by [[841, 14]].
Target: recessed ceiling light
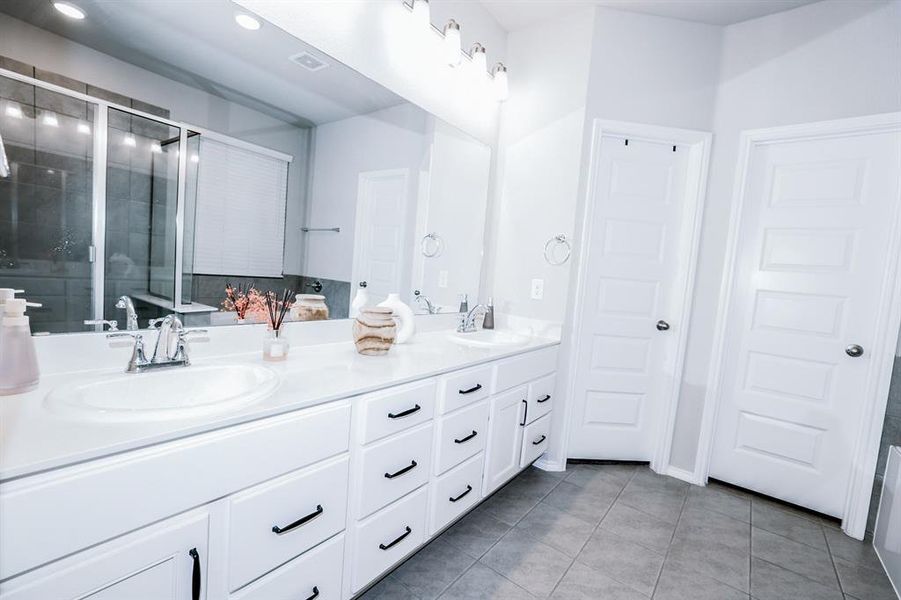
[[156, 148], [129, 140], [70, 10], [49, 119], [13, 110], [247, 22], [84, 128]]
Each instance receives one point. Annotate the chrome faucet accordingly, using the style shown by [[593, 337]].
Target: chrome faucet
[[429, 305], [167, 352], [131, 317], [468, 321]]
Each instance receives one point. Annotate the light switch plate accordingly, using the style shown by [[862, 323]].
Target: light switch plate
[[537, 289]]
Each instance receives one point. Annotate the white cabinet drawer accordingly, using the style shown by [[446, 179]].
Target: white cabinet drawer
[[534, 440], [392, 468], [392, 411], [461, 435], [464, 387], [316, 574], [540, 398], [276, 521], [387, 537], [525, 367], [455, 492]]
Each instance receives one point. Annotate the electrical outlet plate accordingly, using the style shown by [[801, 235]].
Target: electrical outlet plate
[[442, 279], [537, 289]]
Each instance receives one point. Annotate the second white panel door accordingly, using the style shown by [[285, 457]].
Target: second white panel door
[[638, 253]]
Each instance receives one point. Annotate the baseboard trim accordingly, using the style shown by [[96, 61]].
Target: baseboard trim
[[682, 474], [555, 466]]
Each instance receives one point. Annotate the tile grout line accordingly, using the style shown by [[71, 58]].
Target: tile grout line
[[670, 545], [841, 586]]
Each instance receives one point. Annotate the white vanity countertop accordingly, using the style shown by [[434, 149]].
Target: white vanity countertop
[[34, 439]]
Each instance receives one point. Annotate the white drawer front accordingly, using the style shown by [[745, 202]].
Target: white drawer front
[[316, 574], [276, 521], [389, 412], [455, 493], [461, 435], [540, 398], [392, 468], [388, 537], [535, 440], [525, 367], [464, 387]]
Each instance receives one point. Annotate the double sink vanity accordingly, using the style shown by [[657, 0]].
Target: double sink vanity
[[234, 478]]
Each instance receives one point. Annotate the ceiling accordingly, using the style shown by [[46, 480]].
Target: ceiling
[[518, 14], [198, 43]]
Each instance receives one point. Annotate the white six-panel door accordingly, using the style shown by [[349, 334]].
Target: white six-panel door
[[810, 265], [637, 255]]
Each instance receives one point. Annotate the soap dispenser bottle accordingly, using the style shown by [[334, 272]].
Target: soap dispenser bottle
[[18, 359], [488, 323], [6, 294]]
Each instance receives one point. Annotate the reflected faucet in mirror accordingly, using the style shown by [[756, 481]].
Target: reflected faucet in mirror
[[424, 300], [131, 317]]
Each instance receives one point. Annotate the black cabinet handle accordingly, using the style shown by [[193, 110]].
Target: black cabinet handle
[[402, 471], [315, 593], [409, 411], [525, 414], [539, 440], [545, 399], [397, 541], [467, 438], [463, 495], [306, 519], [477, 387], [195, 574]]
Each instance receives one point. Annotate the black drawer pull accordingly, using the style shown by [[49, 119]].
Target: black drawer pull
[[525, 413], [545, 399], [463, 495], [306, 519], [315, 593], [402, 471], [195, 574], [539, 440], [398, 540], [467, 438], [409, 411], [471, 390]]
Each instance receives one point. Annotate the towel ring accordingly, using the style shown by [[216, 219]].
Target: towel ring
[[553, 247], [432, 245]]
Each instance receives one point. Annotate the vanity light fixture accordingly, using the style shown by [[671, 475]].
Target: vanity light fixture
[[500, 83], [247, 22], [129, 140], [13, 110], [479, 57], [70, 10], [452, 43], [50, 119], [421, 12], [83, 127]]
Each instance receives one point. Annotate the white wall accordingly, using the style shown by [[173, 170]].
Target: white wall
[[826, 60], [51, 52]]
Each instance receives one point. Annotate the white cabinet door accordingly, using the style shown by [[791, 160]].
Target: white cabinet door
[[166, 561], [504, 438]]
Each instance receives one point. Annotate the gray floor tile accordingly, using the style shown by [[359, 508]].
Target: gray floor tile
[[481, 583], [665, 504], [512, 503], [805, 560], [771, 582], [584, 583], [535, 482], [648, 479], [431, 570], [724, 563], [530, 564], [711, 527], [556, 528], [622, 560], [583, 503], [864, 583], [768, 516], [682, 584], [638, 527], [590, 475], [475, 533], [713, 498], [848, 549], [389, 589], [795, 510]]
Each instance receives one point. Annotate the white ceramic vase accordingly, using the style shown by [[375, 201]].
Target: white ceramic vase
[[403, 314]]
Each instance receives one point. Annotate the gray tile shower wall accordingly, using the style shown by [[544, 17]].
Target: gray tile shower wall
[[337, 294], [891, 436]]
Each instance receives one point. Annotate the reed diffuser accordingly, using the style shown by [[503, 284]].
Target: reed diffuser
[[276, 347]]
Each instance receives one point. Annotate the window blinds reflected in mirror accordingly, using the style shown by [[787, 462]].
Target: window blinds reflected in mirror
[[240, 212]]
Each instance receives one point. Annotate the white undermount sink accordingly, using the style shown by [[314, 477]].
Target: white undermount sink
[[173, 393], [489, 338]]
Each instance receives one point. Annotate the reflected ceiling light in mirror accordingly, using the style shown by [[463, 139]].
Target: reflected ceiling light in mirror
[[500, 83], [70, 10], [156, 148], [479, 57], [49, 119], [421, 12], [13, 110], [453, 49], [247, 22], [195, 158], [129, 140], [83, 127]]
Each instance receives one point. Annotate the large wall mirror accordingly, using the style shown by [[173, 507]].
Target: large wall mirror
[[159, 151]]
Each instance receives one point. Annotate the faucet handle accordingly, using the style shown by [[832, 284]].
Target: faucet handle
[[185, 334], [136, 336], [154, 323]]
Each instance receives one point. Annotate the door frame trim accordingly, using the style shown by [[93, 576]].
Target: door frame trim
[[866, 447], [698, 143]]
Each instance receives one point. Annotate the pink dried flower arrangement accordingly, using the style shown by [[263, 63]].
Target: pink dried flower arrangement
[[244, 300]]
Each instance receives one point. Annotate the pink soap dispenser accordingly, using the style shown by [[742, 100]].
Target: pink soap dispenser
[[18, 359]]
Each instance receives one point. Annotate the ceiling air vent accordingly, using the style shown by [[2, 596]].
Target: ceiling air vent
[[308, 61]]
